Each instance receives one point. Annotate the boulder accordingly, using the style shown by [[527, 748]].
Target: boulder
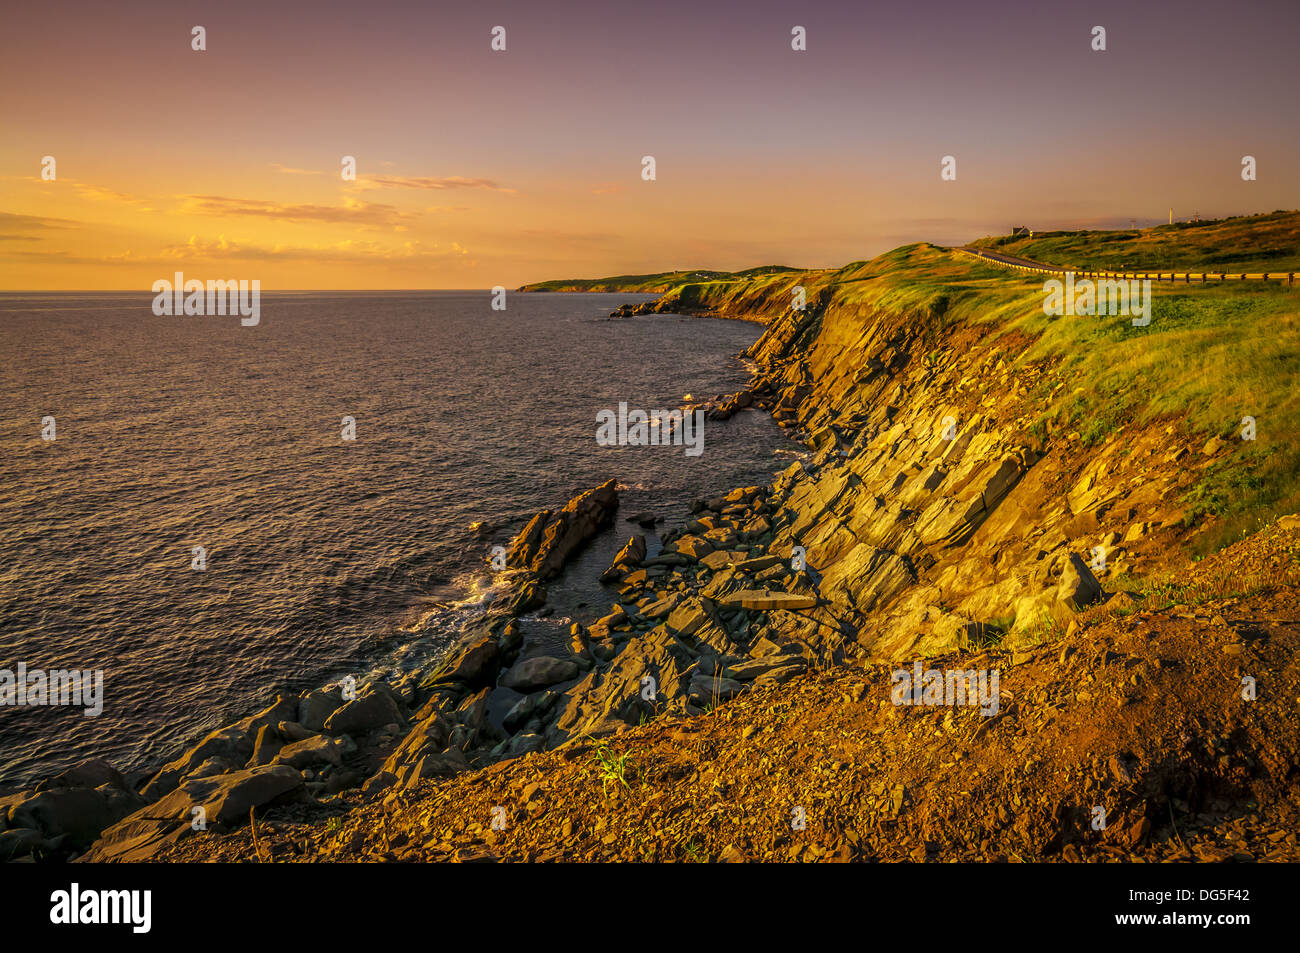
[[316, 751], [688, 617], [528, 707], [292, 731], [1036, 616], [524, 744], [21, 842], [214, 765], [226, 801], [474, 664], [784, 673], [550, 538], [759, 563], [267, 746], [316, 706], [375, 707], [695, 547], [539, 672], [88, 774], [719, 559], [231, 744], [1078, 587], [751, 669], [706, 689], [628, 558], [420, 755], [79, 813], [511, 637], [526, 598], [658, 608], [475, 729]]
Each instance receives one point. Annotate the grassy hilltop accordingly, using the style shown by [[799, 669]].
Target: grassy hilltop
[[650, 284], [1245, 243]]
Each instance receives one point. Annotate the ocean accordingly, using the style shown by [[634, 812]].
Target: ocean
[[323, 557]]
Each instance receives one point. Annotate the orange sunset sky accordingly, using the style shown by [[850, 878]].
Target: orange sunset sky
[[478, 168]]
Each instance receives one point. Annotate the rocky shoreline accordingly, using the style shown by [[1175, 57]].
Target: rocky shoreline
[[939, 515], [689, 617], [438, 721]]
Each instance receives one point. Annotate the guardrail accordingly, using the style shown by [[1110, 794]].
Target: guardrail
[[1187, 277]]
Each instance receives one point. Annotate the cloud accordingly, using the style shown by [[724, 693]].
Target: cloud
[[291, 171], [102, 194], [371, 182], [58, 257], [350, 250], [87, 189], [27, 223], [352, 211]]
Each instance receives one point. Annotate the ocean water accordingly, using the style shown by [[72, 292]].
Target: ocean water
[[324, 557]]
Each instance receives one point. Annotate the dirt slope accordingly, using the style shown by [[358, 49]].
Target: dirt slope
[[1138, 711]]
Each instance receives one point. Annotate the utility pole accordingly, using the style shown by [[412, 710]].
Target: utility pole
[[1171, 215]]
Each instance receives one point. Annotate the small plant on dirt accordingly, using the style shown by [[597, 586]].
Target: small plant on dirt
[[990, 634], [612, 769], [1045, 628]]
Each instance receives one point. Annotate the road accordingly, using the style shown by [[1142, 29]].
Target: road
[[1203, 277]]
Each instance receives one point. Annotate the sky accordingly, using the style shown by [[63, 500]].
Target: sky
[[477, 167]]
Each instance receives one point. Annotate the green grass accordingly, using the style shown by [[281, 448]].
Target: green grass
[[612, 769], [1166, 590], [694, 853], [991, 633], [1210, 358], [1246, 243]]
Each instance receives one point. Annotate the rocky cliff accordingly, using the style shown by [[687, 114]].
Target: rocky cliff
[[980, 488]]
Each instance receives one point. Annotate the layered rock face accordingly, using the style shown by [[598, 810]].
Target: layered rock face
[[930, 513]]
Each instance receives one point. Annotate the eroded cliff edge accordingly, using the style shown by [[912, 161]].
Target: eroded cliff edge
[[986, 487]]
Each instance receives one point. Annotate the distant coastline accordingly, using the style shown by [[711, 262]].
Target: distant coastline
[[651, 284]]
